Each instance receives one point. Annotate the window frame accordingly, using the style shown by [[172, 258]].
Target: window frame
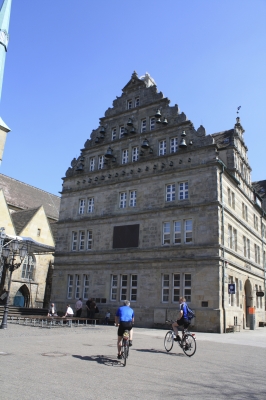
[[162, 147]]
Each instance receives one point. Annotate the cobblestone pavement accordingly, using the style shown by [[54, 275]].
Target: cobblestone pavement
[[80, 363]]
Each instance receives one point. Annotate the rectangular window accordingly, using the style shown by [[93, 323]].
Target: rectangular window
[[230, 237], [77, 289], [133, 287], [86, 284], [152, 123], [187, 287], [143, 125], [264, 258], [234, 239], [38, 232], [92, 164], [114, 281], [121, 131], [89, 240], [165, 288], [177, 232], [122, 200], [229, 197], [70, 282], [256, 225], [162, 147], [129, 104], [125, 156], [81, 240], [183, 190], [135, 154], [81, 206], [170, 192], [176, 288], [188, 231], [166, 233], [74, 241], [246, 213], [27, 268], [91, 205], [133, 198], [100, 162], [173, 145], [123, 290], [233, 201], [248, 248], [113, 133], [137, 101], [245, 246]]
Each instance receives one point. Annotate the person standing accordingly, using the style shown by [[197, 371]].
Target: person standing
[[88, 304], [79, 307], [124, 319], [92, 309], [107, 317], [183, 318]]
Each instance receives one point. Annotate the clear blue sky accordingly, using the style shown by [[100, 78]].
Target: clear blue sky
[[68, 60]]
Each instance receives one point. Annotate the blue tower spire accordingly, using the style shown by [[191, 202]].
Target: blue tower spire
[[4, 37]]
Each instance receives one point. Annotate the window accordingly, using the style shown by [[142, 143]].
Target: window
[[170, 192], [177, 232], [234, 240], [176, 288], [244, 212], [248, 248], [129, 104], [100, 162], [89, 240], [233, 201], [256, 225], [230, 237], [113, 133], [173, 145], [74, 241], [133, 198], [81, 206], [28, 268], [188, 231], [165, 288], [70, 282], [135, 154], [136, 101], [230, 296], [124, 156], [114, 280], [187, 287], [133, 287], [86, 284], [152, 123], [81, 240], [123, 200], [90, 205], [166, 233], [143, 125], [121, 131], [245, 246], [77, 289], [92, 164], [183, 190], [123, 290], [229, 197], [257, 253], [38, 232], [162, 147]]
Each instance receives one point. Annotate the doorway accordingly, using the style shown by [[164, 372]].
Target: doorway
[[22, 297]]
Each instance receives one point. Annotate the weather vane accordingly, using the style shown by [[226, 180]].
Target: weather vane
[[238, 108]]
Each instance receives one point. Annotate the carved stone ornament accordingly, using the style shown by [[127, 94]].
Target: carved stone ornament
[[73, 162]]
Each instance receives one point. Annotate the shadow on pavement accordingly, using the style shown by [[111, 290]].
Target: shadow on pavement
[[159, 352], [108, 361]]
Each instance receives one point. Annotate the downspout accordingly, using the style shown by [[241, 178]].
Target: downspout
[[262, 247], [223, 269]]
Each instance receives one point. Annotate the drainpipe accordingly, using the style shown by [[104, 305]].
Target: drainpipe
[[262, 247]]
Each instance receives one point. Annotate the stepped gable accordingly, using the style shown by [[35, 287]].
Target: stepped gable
[[22, 218], [22, 196]]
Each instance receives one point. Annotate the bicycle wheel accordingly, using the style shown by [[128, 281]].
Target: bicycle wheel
[[125, 354], [189, 345], [168, 341]]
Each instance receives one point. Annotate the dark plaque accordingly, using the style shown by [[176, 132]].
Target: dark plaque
[[126, 236]]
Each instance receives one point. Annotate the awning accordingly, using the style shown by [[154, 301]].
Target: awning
[[33, 247]]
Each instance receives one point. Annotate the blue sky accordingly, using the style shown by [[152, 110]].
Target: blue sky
[[68, 60]]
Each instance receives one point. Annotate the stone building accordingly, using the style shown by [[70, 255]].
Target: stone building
[[30, 213], [153, 209]]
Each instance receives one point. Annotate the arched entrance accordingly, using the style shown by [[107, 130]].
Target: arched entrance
[[248, 302], [22, 297]]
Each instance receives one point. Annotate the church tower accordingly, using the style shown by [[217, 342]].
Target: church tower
[[4, 25]]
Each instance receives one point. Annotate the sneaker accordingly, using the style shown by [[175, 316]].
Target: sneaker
[[130, 343], [119, 356], [177, 339]]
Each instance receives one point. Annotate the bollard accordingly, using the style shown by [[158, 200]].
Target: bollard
[[251, 312]]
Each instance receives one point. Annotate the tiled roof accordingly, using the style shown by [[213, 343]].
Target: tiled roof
[[24, 196], [223, 139], [21, 218]]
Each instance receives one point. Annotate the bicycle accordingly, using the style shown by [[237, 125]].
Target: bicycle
[[187, 342], [125, 347]]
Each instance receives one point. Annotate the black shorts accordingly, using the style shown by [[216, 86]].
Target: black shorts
[[182, 321], [124, 326]]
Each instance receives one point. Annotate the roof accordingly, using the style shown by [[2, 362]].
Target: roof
[[260, 188], [223, 139], [21, 219], [33, 247], [24, 196]]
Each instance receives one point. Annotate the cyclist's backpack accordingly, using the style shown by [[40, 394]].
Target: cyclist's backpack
[[190, 313]]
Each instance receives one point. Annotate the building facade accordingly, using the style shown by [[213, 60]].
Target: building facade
[[154, 209]]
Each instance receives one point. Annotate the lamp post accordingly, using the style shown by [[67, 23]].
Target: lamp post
[[10, 252]]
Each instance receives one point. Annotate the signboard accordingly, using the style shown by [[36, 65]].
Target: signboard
[[260, 294], [231, 288]]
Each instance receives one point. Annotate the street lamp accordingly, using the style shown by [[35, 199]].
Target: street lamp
[[9, 255]]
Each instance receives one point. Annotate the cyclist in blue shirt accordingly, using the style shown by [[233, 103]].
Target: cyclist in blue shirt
[[124, 319], [183, 320]]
